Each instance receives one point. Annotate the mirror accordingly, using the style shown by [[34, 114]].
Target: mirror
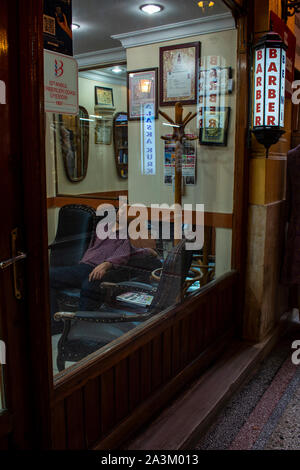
[[74, 138]]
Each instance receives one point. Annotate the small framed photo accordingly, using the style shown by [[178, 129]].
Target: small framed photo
[[215, 126], [104, 96], [179, 67], [142, 93]]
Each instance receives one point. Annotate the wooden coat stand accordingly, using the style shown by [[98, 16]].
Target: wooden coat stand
[[178, 136]]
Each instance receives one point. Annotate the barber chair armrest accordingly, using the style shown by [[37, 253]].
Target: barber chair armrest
[[113, 289], [102, 317]]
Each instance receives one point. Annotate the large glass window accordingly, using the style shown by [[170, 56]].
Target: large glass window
[[140, 189]]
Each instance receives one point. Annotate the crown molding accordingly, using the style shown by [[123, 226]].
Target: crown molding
[[103, 77], [107, 56], [183, 29]]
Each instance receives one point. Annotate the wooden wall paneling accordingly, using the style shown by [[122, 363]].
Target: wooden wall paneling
[[196, 332], [131, 383], [162, 396], [228, 317], [92, 408], [108, 400], [176, 336], [75, 415], [201, 325], [145, 371], [206, 322], [4, 443], [157, 362], [121, 389], [185, 328], [214, 313], [167, 354], [134, 377], [58, 426], [222, 310]]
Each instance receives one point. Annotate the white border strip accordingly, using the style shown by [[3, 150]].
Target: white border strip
[[214, 23]]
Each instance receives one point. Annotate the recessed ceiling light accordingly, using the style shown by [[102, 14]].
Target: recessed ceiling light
[[117, 69], [151, 8], [75, 26]]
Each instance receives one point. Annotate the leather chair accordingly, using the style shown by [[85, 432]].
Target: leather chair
[[75, 230], [86, 332]]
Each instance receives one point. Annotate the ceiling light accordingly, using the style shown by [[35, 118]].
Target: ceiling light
[[205, 3], [75, 26], [151, 8], [117, 69]]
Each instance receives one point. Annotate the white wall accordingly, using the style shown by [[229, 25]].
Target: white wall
[[215, 165]]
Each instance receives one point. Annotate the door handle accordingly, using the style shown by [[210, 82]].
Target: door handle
[[17, 256], [10, 261]]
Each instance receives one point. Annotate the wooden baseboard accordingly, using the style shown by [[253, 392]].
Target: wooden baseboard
[[181, 425], [160, 399]]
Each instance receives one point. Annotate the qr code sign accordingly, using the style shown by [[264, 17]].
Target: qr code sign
[[49, 25]]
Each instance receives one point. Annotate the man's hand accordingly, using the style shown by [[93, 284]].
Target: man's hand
[[99, 271]]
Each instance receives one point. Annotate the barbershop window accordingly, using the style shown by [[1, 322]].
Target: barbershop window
[[115, 260]]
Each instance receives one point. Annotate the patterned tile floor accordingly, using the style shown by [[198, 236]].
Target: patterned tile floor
[[265, 412]]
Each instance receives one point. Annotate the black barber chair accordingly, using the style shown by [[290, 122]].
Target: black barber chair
[[75, 230], [85, 332]]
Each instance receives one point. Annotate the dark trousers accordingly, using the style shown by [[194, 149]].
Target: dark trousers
[[66, 277], [77, 276]]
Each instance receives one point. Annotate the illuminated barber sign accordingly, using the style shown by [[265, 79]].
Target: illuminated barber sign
[[269, 89]]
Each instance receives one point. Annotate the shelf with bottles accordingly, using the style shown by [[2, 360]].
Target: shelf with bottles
[[120, 131]]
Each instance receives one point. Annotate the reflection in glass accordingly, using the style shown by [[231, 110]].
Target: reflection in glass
[[2, 362], [74, 142]]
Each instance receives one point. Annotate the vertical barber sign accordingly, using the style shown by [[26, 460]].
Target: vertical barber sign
[[269, 87]]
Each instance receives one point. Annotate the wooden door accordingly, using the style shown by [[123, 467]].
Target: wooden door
[[25, 399]]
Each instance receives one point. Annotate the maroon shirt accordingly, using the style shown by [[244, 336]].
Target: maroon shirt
[[116, 251]]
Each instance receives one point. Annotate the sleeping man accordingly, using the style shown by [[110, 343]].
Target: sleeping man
[[103, 261]]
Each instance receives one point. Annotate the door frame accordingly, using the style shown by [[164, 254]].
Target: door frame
[[31, 66], [26, 422]]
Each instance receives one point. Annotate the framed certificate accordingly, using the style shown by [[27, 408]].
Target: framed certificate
[[104, 96], [215, 126], [178, 73], [141, 90]]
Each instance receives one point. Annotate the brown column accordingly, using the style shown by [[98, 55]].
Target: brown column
[[266, 298]]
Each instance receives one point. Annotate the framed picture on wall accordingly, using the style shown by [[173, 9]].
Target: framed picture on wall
[[214, 130], [142, 91], [179, 73], [104, 96]]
